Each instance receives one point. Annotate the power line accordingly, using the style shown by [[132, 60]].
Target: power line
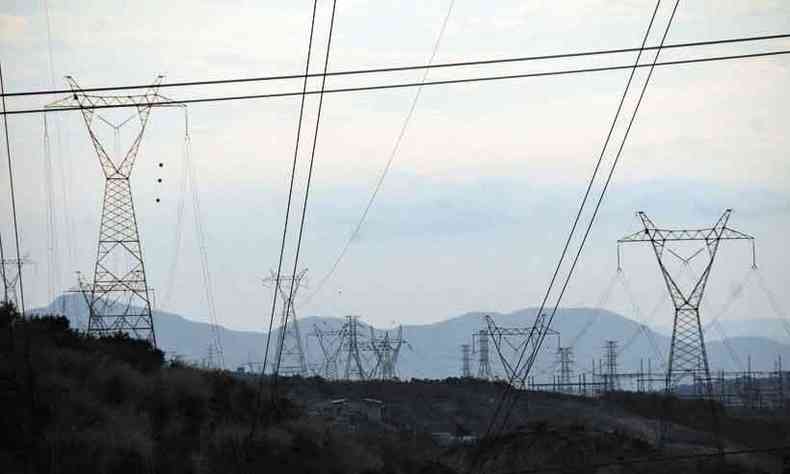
[[13, 199], [601, 196], [479, 62], [289, 302], [582, 205], [170, 102], [385, 171], [290, 193], [259, 397]]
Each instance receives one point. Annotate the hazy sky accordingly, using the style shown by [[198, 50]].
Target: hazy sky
[[481, 193]]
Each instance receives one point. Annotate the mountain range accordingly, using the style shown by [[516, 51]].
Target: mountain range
[[434, 350]]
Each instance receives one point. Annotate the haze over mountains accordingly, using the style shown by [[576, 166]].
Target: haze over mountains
[[433, 350]]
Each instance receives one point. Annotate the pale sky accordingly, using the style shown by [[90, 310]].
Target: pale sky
[[480, 196]]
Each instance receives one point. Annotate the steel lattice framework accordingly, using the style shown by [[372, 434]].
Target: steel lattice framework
[[517, 339], [387, 349], [289, 358], [119, 300], [687, 355]]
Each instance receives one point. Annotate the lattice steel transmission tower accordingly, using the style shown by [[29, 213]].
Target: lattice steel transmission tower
[[610, 370], [483, 356], [119, 299], [343, 348], [510, 342], [565, 362], [10, 276], [387, 349], [289, 358], [466, 371], [328, 342], [687, 355]]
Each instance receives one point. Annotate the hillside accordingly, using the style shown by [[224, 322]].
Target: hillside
[[74, 403], [433, 350]]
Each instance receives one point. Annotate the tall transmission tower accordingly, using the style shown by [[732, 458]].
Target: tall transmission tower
[[687, 356], [465, 361], [565, 362], [119, 298], [386, 350], [289, 358]]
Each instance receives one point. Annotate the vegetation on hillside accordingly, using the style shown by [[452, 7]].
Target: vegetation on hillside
[[73, 403]]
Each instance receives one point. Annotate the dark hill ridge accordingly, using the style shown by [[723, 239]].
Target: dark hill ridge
[[433, 350], [74, 403]]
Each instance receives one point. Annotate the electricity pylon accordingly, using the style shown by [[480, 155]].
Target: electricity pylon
[[483, 357], [289, 358], [347, 341], [610, 376], [465, 361], [387, 349], [687, 355], [119, 299], [10, 276], [514, 339], [565, 361]]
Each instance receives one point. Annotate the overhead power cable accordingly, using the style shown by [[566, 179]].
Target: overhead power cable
[[274, 95], [601, 195], [289, 301], [259, 397], [290, 198], [478, 62], [13, 202], [582, 205], [387, 166]]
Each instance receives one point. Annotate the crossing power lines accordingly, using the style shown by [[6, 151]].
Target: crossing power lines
[[386, 86]]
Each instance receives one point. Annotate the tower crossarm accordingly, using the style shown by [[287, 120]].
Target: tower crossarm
[[118, 167], [675, 235]]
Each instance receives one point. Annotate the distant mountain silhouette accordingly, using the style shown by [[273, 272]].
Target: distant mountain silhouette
[[434, 350]]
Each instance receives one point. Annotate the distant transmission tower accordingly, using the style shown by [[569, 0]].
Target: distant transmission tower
[[565, 362], [289, 358], [354, 367], [465, 361], [10, 275], [119, 298], [328, 342], [483, 359], [509, 342], [343, 348], [386, 350], [687, 356], [611, 374]]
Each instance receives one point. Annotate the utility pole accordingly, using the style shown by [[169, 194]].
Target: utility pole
[[687, 356], [119, 297], [289, 359]]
